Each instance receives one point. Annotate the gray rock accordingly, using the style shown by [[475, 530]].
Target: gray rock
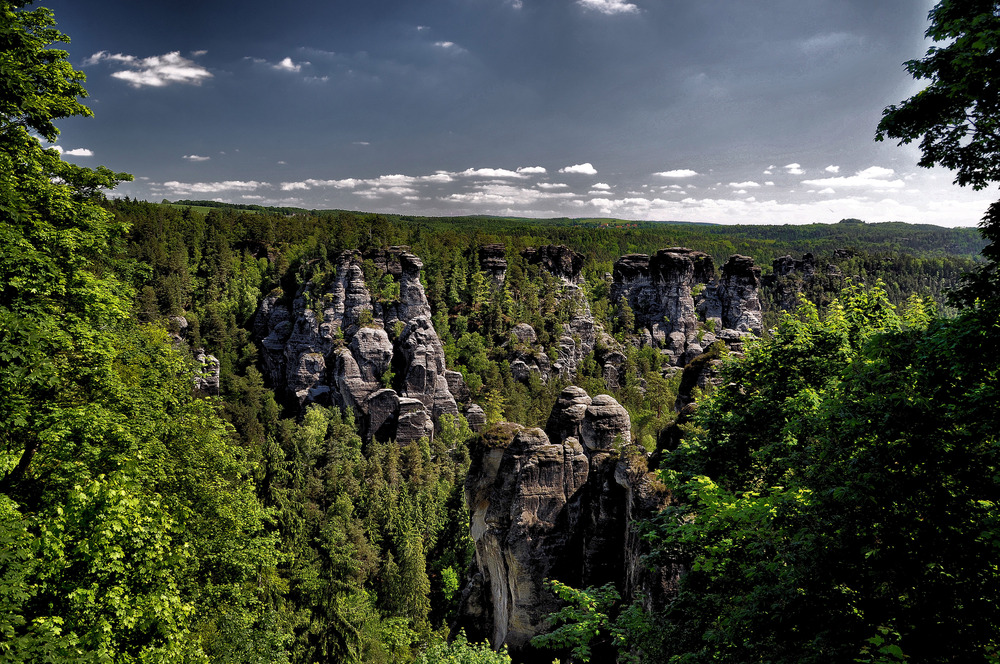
[[566, 419], [208, 373], [524, 333], [373, 352], [606, 424], [383, 413], [475, 416], [558, 260], [413, 422], [493, 261], [335, 343], [519, 370], [457, 386], [669, 290]]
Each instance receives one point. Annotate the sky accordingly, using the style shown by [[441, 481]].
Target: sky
[[722, 111]]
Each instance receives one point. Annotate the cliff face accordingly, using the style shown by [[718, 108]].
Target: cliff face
[[555, 504], [337, 343]]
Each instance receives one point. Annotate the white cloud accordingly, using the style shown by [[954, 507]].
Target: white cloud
[[794, 169], [875, 172], [743, 185], [156, 71], [440, 176], [390, 184], [198, 54], [551, 185], [378, 192], [582, 169], [194, 157], [832, 169], [601, 185], [288, 65], [531, 170], [678, 173], [491, 173], [769, 183], [75, 152], [609, 7], [505, 194], [873, 177], [444, 44], [212, 187]]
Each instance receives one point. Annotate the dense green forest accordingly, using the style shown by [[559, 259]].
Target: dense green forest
[[833, 499]]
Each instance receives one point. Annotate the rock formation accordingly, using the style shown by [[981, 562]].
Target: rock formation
[[558, 260], [555, 504], [493, 262], [681, 307], [580, 335], [338, 342], [208, 373], [789, 277]]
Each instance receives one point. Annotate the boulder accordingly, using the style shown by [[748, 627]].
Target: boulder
[[413, 421], [208, 373]]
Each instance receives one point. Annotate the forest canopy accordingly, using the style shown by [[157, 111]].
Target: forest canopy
[[833, 491]]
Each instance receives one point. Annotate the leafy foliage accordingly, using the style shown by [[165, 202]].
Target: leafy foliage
[[460, 651], [840, 483], [583, 619], [957, 116]]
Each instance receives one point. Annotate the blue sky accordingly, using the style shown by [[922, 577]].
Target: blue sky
[[711, 110]]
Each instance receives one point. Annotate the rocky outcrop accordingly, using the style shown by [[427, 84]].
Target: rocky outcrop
[[733, 302], [371, 347], [208, 373], [555, 504], [558, 260], [681, 307], [659, 288], [493, 262], [579, 336], [791, 277]]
